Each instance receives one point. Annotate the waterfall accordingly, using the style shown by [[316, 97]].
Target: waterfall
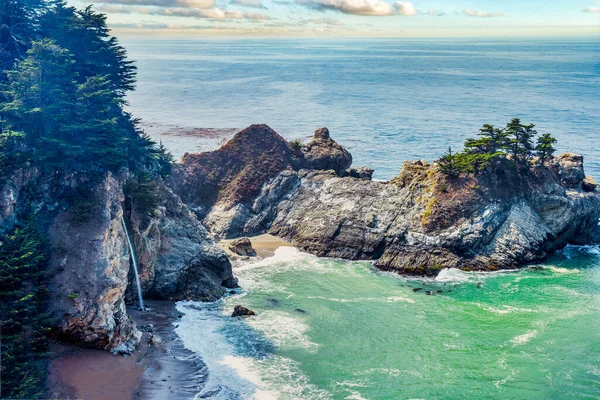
[[135, 270]]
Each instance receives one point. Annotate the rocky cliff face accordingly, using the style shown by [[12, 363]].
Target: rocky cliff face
[[90, 261], [221, 186], [89, 265], [420, 222], [177, 257]]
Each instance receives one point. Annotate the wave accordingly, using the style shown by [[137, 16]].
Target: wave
[[239, 354]]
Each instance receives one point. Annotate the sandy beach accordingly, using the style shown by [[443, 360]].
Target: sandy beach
[[264, 245], [160, 368]]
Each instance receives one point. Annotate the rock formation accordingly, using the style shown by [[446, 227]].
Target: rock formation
[[420, 222], [89, 264], [242, 247]]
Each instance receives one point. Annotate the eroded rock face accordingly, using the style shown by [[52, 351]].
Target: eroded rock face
[[325, 154], [242, 247], [178, 258], [420, 223], [221, 186], [91, 262]]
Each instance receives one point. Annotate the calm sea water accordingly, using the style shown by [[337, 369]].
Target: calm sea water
[[329, 329], [386, 100]]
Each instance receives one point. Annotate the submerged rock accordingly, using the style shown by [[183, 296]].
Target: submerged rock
[[241, 311], [242, 247]]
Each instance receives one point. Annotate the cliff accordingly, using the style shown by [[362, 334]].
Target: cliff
[[89, 261], [421, 221]]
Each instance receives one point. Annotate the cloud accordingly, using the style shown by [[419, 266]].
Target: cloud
[[323, 21], [435, 13], [165, 3], [405, 8], [249, 3], [481, 14], [592, 10], [375, 8], [210, 13]]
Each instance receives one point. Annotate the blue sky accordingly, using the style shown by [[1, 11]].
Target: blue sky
[[418, 18]]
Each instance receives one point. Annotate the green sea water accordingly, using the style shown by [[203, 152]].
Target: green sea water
[[333, 329]]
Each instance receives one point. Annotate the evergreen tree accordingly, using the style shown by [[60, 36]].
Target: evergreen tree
[[447, 164], [521, 141], [18, 26], [544, 147], [23, 318]]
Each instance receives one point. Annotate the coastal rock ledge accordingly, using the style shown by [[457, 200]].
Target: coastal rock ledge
[[418, 223]]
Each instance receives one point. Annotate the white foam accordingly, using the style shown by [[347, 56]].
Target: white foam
[[231, 375], [283, 330], [389, 299], [524, 338]]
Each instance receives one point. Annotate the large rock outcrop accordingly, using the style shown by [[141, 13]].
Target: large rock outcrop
[[421, 222], [177, 257], [220, 186], [90, 261]]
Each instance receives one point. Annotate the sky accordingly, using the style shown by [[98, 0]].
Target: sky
[[360, 18]]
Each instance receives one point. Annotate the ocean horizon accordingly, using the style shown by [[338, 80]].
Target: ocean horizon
[[386, 100]]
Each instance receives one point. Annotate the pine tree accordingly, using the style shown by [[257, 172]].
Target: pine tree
[[544, 147], [447, 164], [520, 143]]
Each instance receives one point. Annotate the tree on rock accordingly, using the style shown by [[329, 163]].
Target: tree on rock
[[544, 147], [448, 165], [521, 142]]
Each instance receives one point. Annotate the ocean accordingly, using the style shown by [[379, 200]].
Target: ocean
[[386, 100], [332, 329]]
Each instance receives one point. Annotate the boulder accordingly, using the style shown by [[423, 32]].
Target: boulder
[[589, 184], [570, 169], [242, 247], [241, 311], [360, 173], [324, 153]]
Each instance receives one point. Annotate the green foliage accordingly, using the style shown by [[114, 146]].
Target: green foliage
[[492, 145], [295, 146], [448, 164], [23, 318], [141, 196], [544, 147], [521, 141]]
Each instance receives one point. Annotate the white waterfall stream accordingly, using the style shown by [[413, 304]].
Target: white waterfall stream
[[134, 262]]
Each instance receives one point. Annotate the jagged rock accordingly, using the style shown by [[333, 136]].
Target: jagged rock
[[177, 258], [222, 186], [420, 223], [570, 167], [360, 173], [242, 247], [589, 184], [241, 311], [325, 153]]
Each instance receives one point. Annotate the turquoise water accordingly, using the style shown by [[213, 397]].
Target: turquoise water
[[386, 100], [332, 329]]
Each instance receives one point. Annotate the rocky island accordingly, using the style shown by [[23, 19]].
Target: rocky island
[[417, 223]]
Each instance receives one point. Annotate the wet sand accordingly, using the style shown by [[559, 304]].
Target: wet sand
[[264, 245], [161, 368]]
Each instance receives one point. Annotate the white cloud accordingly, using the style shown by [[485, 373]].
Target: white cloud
[[249, 3], [210, 13], [376, 8], [435, 13], [165, 3], [481, 14], [405, 8], [323, 21], [592, 10]]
